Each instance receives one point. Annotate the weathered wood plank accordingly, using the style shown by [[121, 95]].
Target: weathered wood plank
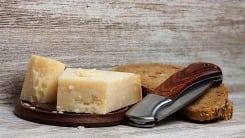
[[103, 34]]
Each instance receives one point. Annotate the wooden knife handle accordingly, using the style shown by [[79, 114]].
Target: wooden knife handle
[[185, 78]]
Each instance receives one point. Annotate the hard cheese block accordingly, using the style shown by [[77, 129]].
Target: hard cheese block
[[40, 84], [97, 91]]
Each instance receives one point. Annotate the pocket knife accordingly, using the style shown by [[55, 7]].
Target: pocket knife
[[179, 90]]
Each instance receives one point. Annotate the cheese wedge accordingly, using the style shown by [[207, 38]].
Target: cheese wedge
[[40, 84], [97, 91]]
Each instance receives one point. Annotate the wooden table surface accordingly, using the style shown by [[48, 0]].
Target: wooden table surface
[[104, 34]]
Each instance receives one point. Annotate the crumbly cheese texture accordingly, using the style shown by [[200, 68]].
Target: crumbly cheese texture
[[41, 80], [97, 91]]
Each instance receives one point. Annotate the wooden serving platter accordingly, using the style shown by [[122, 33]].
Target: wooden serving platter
[[48, 115]]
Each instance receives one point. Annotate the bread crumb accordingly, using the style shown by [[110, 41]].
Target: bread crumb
[[54, 111], [32, 107], [80, 127], [27, 104], [60, 112]]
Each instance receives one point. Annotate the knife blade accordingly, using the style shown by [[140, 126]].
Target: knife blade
[[177, 91]]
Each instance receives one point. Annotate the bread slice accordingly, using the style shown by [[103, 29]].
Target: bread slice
[[152, 75], [213, 105]]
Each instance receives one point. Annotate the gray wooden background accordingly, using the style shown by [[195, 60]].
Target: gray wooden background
[[103, 34]]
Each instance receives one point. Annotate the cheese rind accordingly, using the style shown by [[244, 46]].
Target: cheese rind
[[97, 91], [41, 79]]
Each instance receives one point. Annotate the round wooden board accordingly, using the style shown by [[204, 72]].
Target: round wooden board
[[32, 113]]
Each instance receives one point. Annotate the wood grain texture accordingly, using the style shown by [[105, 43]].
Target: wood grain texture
[[191, 76], [103, 34]]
